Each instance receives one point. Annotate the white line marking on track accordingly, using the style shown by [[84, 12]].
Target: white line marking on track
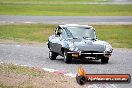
[[49, 70], [28, 22], [70, 74]]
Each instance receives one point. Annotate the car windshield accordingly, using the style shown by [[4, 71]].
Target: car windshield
[[80, 32]]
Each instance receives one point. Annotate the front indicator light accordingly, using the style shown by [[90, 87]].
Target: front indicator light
[[75, 55], [107, 55]]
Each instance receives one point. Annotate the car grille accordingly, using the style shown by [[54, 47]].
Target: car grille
[[95, 54], [90, 52]]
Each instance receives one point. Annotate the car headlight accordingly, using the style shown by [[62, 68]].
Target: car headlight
[[108, 48], [72, 47]]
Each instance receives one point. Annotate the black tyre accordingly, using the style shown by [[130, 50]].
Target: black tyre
[[52, 55], [104, 60], [67, 58], [81, 80]]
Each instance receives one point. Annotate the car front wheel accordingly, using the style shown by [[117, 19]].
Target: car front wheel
[[52, 55], [67, 58], [104, 60]]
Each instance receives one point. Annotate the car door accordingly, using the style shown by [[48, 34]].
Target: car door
[[56, 41]]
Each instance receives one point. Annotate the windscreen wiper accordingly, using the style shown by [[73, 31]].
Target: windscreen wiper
[[86, 37], [89, 38], [75, 37]]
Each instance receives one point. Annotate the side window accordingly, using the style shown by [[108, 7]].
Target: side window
[[63, 34]]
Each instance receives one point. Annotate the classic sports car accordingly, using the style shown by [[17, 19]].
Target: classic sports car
[[73, 41]]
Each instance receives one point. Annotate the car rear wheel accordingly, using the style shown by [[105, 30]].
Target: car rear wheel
[[67, 58], [52, 55], [104, 60]]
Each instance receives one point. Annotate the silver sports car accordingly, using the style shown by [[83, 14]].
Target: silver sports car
[[73, 41]]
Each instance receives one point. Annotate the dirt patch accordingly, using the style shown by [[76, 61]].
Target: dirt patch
[[49, 81], [45, 79]]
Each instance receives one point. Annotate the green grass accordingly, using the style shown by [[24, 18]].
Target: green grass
[[66, 10], [10, 68], [118, 35], [13, 72], [30, 32], [53, 0]]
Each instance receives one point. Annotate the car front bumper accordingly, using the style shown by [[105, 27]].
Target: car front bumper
[[89, 55]]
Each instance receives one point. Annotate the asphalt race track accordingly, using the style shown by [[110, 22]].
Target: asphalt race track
[[120, 62], [67, 19]]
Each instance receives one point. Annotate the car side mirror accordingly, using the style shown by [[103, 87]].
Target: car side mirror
[[96, 37]]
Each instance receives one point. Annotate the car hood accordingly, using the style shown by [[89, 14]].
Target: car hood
[[89, 45]]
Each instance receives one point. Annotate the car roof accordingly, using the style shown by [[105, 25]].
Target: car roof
[[75, 25]]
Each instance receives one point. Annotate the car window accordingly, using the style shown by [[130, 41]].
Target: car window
[[63, 35], [68, 33], [80, 32]]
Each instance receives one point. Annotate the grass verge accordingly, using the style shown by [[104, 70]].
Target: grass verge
[[26, 32], [10, 68], [118, 35], [54, 0], [66, 10], [12, 76]]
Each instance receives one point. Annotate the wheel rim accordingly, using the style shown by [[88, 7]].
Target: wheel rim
[[64, 56]]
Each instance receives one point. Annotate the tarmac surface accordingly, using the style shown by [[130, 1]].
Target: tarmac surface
[[120, 62], [67, 19]]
